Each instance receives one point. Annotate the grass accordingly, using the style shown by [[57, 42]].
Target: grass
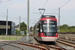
[[3, 37]]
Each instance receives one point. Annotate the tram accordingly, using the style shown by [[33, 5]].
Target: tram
[[46, 28]]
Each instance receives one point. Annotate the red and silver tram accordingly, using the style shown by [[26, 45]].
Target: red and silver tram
[[46, 28]]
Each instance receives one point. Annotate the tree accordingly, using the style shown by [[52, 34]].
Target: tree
[[23, 26], [72, 27], [31, 28], [65, 26]]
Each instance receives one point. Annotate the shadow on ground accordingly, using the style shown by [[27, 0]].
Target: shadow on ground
[[46, 43]]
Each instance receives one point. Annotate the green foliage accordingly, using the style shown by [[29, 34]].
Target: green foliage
[[66, 28], [23, 26], [16, 32], [31, 28]]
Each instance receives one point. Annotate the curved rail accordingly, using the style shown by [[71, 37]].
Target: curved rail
[[66, 43], [41, 46], [38, 46], [1, 48], [13, 46]]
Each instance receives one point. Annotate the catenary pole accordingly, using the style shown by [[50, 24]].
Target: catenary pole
[[19, 22], [7, 23], [59, 21], [27, 20], [59, 16]]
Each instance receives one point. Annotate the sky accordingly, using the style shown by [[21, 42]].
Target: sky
[[18, 8]]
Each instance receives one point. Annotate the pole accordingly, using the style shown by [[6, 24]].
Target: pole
[[27, 20], [19, 22], [7, 23], [59, 21], [59, 16]]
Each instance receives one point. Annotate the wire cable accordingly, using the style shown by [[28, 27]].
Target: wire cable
[[61, 6], [45, 3], [36, 19], [64, 4], [39, 14]]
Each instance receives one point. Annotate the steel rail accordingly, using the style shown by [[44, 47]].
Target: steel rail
[[57, 48], [13, 46], [34, 46], [71, 42], [42, 46], [38, 46], [66, 43], [1, 48]]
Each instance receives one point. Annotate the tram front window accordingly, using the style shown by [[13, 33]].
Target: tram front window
[[49, 28]]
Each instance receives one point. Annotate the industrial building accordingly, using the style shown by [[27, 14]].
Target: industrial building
[[11, 28]]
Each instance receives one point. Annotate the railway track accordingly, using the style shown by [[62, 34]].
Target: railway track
[[65, 42], [42, 46], [56, 47], [1, 48], [39, 46], [35, 46], [11, 45]]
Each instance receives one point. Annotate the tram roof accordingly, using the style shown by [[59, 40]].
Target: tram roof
[[50, 16]]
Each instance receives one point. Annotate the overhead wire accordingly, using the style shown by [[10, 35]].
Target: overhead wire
[[39, 14], [64, 4], [61, 6], [36, 19], [45, 3]]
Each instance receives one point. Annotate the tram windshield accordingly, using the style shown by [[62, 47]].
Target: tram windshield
[[50, 26]]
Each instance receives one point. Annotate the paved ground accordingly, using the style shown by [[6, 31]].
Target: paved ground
[[31, 40], [23, 39]]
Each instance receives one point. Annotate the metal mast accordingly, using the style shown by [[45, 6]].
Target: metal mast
[[59, 21], [7, 23], [19, 22], [27, 20]]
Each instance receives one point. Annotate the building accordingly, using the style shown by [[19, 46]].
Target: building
[[16, 28], [11, 28]]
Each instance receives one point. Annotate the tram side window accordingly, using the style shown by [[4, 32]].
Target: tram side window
[[34, 29], [38, 28]]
